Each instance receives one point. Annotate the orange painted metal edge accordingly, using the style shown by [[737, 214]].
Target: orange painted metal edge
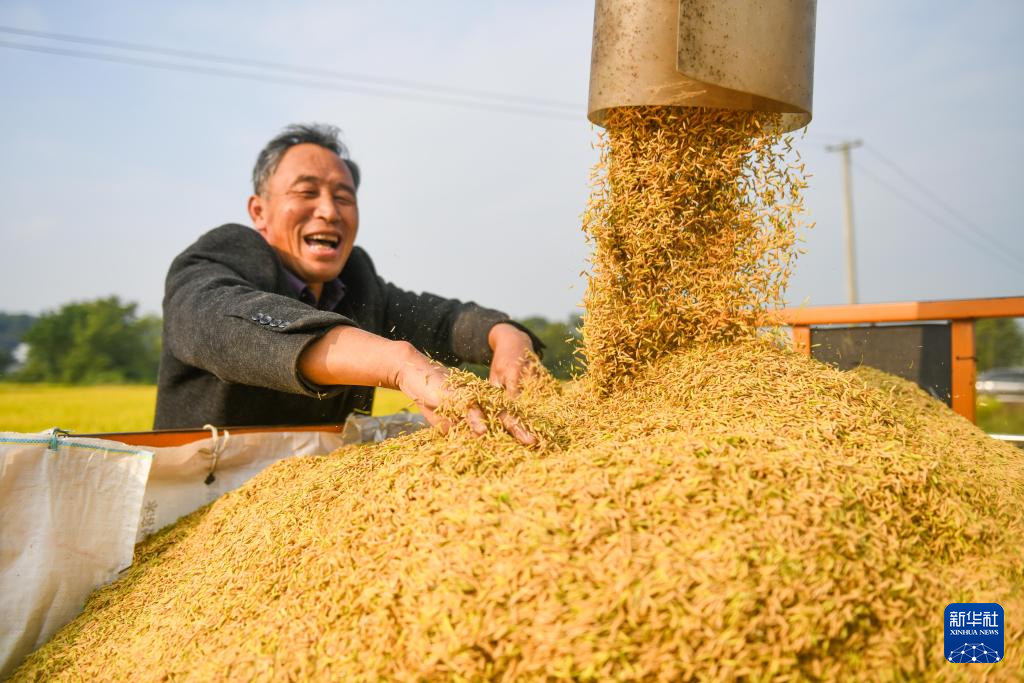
[[802, 339], [954, 309], [162, 438], [962, 367]]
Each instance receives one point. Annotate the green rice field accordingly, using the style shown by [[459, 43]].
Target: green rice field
[[30, 408]]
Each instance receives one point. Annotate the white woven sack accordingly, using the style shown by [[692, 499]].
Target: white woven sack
[[69, 515]]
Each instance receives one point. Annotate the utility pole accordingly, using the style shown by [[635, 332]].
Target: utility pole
[[851, 266]]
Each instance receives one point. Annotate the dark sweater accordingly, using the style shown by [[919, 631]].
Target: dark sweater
[[234, 330]]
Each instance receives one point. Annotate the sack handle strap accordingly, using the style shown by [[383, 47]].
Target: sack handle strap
[[219, 443]]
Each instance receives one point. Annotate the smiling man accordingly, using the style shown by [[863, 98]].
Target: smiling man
[[288, 322]]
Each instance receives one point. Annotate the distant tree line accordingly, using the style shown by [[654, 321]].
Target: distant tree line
[[90, 342], [562, 343], [998, 343], [105, 341]]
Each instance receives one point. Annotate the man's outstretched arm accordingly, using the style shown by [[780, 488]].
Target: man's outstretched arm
[[349, 355]]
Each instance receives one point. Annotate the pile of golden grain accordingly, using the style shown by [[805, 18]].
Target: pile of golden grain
[[707, 505]]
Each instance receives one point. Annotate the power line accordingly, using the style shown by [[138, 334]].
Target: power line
[[992, 246], [297, 69], [950, 228], [981, 232], [285, 80]]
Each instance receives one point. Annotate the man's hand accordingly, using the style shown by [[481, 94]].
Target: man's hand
[[513, 357], [427, 384]]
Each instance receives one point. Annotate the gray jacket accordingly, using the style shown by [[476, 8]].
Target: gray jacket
[[234, 329]]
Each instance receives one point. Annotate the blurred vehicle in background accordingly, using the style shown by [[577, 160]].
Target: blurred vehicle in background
[[1006, 385]]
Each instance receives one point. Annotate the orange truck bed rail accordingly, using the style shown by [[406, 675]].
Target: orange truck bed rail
[[960, 313], [161, 438]]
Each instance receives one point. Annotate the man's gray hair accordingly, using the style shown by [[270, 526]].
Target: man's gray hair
[[321, 134]]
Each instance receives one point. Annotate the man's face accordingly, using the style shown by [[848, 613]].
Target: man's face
[[307, 212]]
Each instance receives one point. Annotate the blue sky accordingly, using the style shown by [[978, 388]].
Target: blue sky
[[108, 170]]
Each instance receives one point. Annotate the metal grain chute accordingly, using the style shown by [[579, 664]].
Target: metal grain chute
[[730, 54]]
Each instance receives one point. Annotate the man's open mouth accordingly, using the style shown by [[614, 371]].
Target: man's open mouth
[[320, 242]]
